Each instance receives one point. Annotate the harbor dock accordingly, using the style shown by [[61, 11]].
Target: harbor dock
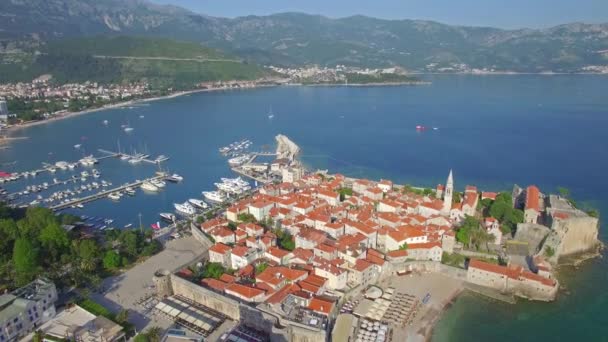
[[105, 193], [120, 154]]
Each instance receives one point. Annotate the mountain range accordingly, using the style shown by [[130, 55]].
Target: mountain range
[[294, 39]]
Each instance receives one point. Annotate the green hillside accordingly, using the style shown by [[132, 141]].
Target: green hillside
[[133, 47], [161, 62]]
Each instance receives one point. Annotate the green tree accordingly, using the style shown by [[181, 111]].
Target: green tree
[[246, 218], [88, 253], [564, 192], [261, 267], [152, 248], [8, 234], [457, 197], [54, 239], [141, 338], [122, 317], [213, 270], [130, 243], [25, 259], [403, 247], [111, 260], [154, 334], [36, 219], [286, 241]]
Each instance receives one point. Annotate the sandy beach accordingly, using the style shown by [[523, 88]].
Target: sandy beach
[[442, 289]]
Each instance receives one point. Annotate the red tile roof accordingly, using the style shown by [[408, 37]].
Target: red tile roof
[[362, 265], [214, 284], [426, 245], [240, 251], [227, 278], [220, 248], [277, 252], [397, 254], [533, 198], [321, 306], [244, 291], [280, 295]]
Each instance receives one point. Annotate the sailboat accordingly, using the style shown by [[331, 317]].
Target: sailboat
[[270, 114]]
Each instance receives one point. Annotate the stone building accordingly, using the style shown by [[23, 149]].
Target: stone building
[[512, 279]]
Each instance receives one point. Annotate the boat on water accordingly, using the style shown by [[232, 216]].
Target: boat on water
[[175, 178], [105, 122], [228, 187], [159, 183], [240, 160], [88, 161], [128, 129], [214, 196], [129, 225], [198, 203], [168, 217], [185, 208], [114, 196], [130, 191], [147, 186], [77, 146], [135, 160], [270, 114]]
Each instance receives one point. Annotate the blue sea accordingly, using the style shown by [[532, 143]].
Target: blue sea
[[493, 131]]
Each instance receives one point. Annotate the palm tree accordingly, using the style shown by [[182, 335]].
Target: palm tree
[[154, 334]]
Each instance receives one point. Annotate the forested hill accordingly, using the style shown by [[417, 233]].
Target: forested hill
[[160, 61], [297, 39]]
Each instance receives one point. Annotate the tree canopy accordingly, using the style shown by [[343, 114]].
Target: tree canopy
[[34, 243]]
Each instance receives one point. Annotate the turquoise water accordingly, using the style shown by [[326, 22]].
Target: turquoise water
[[494, 131]]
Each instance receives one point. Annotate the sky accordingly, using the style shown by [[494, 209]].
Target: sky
[[495, 13]]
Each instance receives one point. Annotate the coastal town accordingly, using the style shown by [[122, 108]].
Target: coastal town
[[316, 256], [43, 99]]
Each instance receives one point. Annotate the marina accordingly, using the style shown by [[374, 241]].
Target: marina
[[105, 193]]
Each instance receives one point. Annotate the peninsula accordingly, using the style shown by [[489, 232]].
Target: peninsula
[[315, 255], [307, 256]]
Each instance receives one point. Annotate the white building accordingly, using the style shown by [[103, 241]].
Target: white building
[[26, 308]]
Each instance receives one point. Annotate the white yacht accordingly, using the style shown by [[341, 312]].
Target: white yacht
[[124, 157], [228, 187], [135, 160], [130, 191], [240, 160], [214, 196], [147, 186], [167, 217], [159, 183], [128, 129], [175, 178], [114, 196], [88, 161], [185, 208], [198, 203]]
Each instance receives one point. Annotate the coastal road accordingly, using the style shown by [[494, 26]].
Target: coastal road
[[202, 60]]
